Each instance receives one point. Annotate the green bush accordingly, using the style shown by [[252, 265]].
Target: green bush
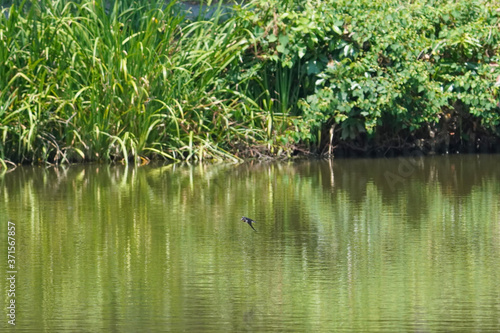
[[379, 67]]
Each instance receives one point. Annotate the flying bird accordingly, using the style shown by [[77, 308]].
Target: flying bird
[[249, 221]]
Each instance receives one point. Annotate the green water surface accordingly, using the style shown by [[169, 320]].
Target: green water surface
[[365, 245]]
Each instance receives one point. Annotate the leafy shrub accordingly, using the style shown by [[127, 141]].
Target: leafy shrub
[[373, 67]]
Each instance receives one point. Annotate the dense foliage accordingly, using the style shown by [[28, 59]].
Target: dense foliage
[[95, 80], [383, 71], [89, 81]]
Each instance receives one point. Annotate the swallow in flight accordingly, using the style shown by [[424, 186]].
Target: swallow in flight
[[249, 221]]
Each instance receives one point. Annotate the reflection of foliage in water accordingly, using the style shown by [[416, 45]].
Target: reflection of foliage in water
[[166, 242]]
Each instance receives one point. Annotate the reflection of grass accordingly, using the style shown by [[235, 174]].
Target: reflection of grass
[[169, 228], [87, 82]]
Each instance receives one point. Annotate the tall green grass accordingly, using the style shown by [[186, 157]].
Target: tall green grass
[[132, 80], [86, 81]]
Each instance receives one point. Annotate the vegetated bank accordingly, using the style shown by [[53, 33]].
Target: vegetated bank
[[131, 80]]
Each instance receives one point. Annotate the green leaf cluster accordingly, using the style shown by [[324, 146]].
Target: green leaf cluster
[[378, 67]]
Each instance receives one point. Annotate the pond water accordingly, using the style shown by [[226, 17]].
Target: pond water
[[360, 245]]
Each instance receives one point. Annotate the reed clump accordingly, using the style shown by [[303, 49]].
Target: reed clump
[[89, 81]]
